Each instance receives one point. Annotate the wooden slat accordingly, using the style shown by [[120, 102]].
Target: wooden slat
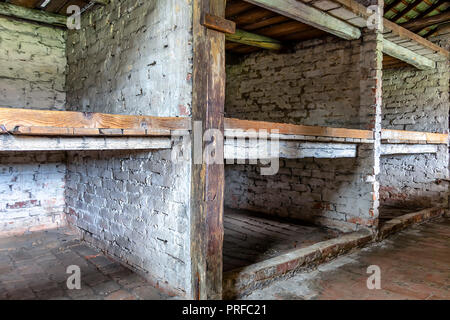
[[283, 128], [254, 40], [393, 149], [22, 143], [55, 131], [407, 55], [390, 26], [411, 6], [411, 136], [419, 24], [404, 33], [11, 10], [255, 150], [301, 12], [219, 24], [12, 118]]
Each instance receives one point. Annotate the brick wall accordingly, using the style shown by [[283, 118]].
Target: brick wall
[[418, 101], [134, 57], [31, 192], [32, 65], [322, 82], [32, 75]]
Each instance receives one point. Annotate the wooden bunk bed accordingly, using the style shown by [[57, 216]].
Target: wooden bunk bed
[[41, 130]]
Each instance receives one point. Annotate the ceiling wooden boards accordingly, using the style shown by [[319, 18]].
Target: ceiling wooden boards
[[249, 17], [260, 21], [53, 6], [410, 14]]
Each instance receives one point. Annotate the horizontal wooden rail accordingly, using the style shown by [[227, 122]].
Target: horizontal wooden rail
[[293, 129], [43, 122], [402, 136], [24, 143], [70, 123]]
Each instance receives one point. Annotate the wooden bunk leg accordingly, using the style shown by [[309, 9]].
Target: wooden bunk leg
[[207, 184]]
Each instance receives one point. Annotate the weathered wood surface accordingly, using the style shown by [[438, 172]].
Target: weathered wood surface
[[21, 143], [402, 136], [419, 24], [207, 181], [10, 119], [311, 16], [408, 56], [11, 10], [219, 24], [255, 40], [239, 150], [293, 129], [301, 12], [392, 149], [406, 34], [394, 28]]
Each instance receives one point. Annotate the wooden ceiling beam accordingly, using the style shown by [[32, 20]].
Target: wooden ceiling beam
[[405, 11], [301, 12], [430, 9], [419, 24], [11, 10], [392, 5], [405, 33], [408, 56], [396, 29], [252, 39]]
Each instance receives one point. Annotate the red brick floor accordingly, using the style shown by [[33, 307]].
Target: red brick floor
[[33, 267], [414, 264]]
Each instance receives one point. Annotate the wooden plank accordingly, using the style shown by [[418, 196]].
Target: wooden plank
[[411, 6], [408, 56], [55, 131], [21, 143], [261, 150], [11, 10], [207, 179], [392, 149], [404, 33], [293, 129], [304, 13], [219, 24], [402, 135], [419, 24], [390, 26], [11, 118], [255, 40]]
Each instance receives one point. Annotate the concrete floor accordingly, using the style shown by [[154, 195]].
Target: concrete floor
[[34, 267], [414, 264]]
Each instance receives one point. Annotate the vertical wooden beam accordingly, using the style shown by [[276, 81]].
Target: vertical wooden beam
[[207, 183]]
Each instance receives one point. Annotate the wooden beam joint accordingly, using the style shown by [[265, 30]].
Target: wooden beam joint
[[219, 24]]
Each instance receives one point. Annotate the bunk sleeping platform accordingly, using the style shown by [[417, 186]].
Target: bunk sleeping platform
[[39, 130]]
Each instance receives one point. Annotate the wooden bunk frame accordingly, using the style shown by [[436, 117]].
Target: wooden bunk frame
[[23, 124], [207, 186]]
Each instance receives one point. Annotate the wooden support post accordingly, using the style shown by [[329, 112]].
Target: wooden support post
[[301, 12], [207, 182], [408, 56], [11, 10]]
